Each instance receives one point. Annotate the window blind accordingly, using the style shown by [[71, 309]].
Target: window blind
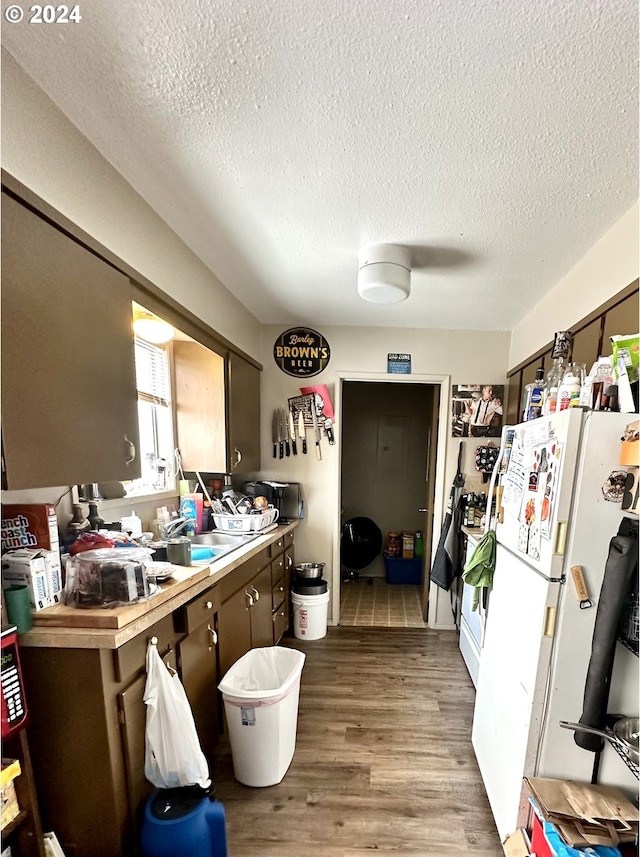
[[152, 371]]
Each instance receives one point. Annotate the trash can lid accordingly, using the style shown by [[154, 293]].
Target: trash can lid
[[310, 586], [170, 804]]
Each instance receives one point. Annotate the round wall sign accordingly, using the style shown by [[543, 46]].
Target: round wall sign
[[302, 352]]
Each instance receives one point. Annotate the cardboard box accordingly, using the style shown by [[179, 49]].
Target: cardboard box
[[8, 798], [29, 525], [407, 545], [517, 845], [27, 567]]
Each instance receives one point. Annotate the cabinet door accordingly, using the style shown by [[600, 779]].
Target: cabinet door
[[133, 716], [69, 402], [244, 415], [199, 675], [234, 629], [200, 417], [261, 610]]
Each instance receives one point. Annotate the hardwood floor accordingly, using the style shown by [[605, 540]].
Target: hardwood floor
[[383, 758]]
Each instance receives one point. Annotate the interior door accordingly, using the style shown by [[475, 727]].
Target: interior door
[[432, 449]]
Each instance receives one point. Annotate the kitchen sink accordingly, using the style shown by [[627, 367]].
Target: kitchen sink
[[213, 545], [216, 539]]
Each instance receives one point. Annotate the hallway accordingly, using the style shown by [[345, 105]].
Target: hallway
[[383, 757]]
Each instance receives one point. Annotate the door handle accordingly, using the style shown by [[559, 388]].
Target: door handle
[[130, 450]]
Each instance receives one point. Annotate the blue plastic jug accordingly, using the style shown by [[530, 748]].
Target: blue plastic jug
[[183, 821]]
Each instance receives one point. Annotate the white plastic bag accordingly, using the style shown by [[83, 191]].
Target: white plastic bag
[[173, 756]]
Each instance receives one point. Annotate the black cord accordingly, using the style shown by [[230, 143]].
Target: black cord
[[63, 495]]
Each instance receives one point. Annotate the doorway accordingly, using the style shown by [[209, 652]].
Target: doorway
[[389, 473]]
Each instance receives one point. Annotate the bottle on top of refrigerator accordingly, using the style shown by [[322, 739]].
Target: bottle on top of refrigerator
[[569, 389], [559, 355], [534, 393]]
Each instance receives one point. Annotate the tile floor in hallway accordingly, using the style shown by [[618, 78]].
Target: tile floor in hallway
[[372, 601]]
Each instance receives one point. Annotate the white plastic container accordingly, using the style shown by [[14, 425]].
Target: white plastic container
[[245, 523], [260, 694], [309, 615]]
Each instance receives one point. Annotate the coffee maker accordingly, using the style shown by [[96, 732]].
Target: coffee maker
[[285, 496]]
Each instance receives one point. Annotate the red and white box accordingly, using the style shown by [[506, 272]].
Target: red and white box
[[29, 525]]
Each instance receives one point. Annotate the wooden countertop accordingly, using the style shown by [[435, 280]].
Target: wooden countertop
[[109, 628], [473, 532]]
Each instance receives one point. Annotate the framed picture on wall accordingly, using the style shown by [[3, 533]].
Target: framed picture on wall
[[476, 410]]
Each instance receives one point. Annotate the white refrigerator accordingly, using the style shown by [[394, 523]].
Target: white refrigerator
[[537, 641]]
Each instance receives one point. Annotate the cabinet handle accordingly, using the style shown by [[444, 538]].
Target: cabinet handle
[[281, 589], [249, 600], [256, 593], [289, 561], [238, 457], [214, 635], [130, 451], [209, 606]]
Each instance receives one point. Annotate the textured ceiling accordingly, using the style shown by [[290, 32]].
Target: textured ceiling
[[277, 137]]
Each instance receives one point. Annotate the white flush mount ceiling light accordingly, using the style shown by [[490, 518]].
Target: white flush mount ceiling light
[[384, 275]]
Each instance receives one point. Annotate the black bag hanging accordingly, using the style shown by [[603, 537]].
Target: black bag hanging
[[448, 561], [622, 565]]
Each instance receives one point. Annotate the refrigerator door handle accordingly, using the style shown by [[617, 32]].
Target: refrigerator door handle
[[561, 538], [549, 622]]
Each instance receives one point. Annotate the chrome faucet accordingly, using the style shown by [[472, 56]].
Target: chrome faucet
[[176, 526]]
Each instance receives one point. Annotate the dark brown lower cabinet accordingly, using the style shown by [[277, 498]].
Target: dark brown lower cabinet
[[255, 603], [86, 735], [198, 666], [88, 717], [245, 618]]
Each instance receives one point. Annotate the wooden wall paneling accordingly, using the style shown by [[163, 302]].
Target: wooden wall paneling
[[620, 319], [513, 399], [586, 344]]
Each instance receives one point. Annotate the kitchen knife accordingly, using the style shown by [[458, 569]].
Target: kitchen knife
[[329, 430], [316, 428], [274, 433], [285, 431], [292, 432], [280, 437], [302, 431]]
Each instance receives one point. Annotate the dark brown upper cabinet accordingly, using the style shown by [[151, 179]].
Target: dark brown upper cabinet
[[69, 413]]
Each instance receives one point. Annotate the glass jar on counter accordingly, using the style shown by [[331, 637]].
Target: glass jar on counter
[[393, 546]]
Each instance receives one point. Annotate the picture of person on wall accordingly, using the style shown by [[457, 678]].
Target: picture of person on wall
[[485, 413]]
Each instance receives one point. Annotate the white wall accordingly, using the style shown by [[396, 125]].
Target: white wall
[[469, 357], [609, 266], [43, 150]]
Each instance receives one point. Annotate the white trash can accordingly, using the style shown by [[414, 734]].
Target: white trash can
[[260, 694], [309, 615]]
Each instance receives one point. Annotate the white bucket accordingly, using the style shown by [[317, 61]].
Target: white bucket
[[310, 615]]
